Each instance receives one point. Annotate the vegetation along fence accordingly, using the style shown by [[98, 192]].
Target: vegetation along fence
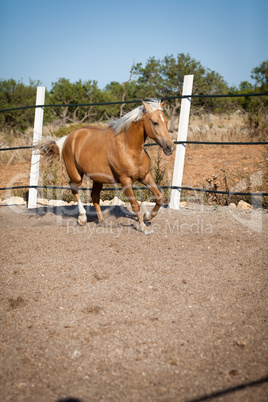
[[181, 140]]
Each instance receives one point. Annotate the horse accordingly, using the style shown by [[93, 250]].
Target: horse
[[115, 154]]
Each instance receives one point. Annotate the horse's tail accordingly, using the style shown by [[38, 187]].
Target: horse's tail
[[51, 147]]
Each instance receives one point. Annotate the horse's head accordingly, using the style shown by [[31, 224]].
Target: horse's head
[[155, 125]]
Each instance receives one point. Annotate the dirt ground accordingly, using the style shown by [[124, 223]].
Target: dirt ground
[[107, 314]]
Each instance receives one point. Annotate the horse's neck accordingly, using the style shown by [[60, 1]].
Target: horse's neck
[[136, 136]]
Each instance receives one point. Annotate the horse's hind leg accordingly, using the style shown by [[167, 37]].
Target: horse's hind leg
[[82, 218], [95, 195], [76, 178]]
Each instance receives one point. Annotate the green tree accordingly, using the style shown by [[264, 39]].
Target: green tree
[[260, 76], [164, 78], [67, 93], [15, 94], [245, 87], [256, 107]]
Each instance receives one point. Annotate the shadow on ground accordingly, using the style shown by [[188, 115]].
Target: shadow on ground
[[230, 390], [67, 211]]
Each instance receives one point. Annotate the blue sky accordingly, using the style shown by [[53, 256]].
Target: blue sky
[[98, 40]]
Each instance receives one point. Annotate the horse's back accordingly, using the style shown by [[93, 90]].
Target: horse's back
[[86, 139]]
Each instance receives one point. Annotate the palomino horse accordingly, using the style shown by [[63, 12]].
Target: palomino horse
[[115, 155]]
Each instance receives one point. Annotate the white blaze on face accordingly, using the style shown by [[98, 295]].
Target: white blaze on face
[[162, 118]]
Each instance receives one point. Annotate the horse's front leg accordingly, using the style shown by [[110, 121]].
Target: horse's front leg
[[127, 185], [150, 183]]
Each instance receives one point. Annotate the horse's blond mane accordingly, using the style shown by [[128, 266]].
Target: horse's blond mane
[[125, 122]]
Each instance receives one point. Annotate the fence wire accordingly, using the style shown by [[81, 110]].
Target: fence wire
[[175, 142], [146, 145], [203, 190], [132, 101]]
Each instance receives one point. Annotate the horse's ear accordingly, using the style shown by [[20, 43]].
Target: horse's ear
[[162, 104], [147, 107]]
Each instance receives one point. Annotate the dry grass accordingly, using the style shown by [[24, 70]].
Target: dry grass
[[12, 139], [223, 127]]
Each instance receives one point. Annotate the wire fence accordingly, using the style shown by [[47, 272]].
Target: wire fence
[[133, 101], [229, 193], [175, 142], [257, 194]]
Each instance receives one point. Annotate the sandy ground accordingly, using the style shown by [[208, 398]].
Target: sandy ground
[[108, 314]]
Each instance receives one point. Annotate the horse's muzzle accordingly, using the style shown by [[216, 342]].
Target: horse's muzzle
[[168, 149]]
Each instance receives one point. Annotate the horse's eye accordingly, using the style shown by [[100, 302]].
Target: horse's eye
[[155, 123]]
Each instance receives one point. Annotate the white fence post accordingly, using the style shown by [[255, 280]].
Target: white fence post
[[182, 136], [37, 136]]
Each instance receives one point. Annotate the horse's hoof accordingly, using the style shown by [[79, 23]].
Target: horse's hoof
[[82, 220], [148, 232], [101, 224]]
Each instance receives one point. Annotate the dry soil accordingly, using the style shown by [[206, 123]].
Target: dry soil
[[108, 314]]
